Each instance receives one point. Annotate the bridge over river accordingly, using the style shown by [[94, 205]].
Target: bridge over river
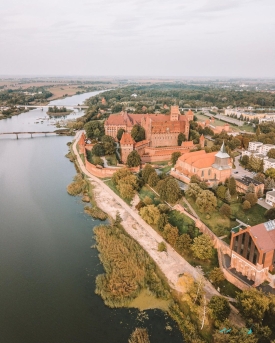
[[31, 133], [80, 107]]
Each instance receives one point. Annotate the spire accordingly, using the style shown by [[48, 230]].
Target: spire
[[223, 148]]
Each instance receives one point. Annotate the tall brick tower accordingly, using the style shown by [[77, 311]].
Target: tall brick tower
[[175, 113]]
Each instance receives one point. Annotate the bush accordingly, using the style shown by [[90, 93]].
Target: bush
[[246, 205], [220, 308], [162, 247]]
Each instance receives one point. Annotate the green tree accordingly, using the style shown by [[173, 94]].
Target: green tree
[[202, 247], [162, 221], [175, 156], [138, 133], [270, 172], [252, 198], [94, 129], [221, 190], [271, 153], [232, 185], [195, 179], [153, 179], [245, 160], [246, 205], [193, 190], [150, 214], [270, 214], [227, 196], [107, 139], [181, 138], [250, 188], [219, 307], [184, 242], [225, 210], [147, 200], [170, 190], [255, 164], [119, 134], [98, 150], [171, 233], [206, 201], [109, 148], [216, 276], [162, 247], [133, 159], [260, 177], [253, 304], [146, 171], [163, 208]]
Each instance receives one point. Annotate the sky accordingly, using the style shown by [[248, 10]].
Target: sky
[[155, 38]]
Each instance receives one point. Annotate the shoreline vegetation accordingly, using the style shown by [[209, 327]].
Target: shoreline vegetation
[[131, 278]]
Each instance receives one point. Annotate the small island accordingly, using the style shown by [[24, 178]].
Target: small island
[[58, 111]]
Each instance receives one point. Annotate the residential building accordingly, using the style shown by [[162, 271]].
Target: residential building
[[260, 150], [270, 198], [253, 251], [243, 184]]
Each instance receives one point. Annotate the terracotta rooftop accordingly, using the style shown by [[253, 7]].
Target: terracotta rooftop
[[198, 159], [145, 141], [126, 138], [189, 113], [124, 118], [168, 127], [264, 235]]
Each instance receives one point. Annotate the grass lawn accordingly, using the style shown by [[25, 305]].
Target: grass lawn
[[111, 159], [110, 184], [219, 224], [253, 216], [180, 220], [217, 122], [146, 191], [166, 169], [247, 128]]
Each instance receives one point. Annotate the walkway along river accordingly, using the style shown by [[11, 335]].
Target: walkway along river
[[47, 266]]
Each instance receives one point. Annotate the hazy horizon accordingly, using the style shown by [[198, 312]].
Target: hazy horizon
[[145, 38]]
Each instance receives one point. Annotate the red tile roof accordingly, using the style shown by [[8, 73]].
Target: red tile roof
[[199, 159], [126, 139], [264, 238]]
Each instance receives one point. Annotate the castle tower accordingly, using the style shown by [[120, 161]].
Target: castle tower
[[202, 141], [81, 143], [175, 113], [127, 145]]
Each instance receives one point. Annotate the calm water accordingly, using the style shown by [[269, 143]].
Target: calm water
[[47, 266]]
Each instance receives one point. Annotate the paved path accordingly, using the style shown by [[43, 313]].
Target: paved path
[[170, 262]]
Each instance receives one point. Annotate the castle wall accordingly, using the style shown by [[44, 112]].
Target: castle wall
[[164, 139]]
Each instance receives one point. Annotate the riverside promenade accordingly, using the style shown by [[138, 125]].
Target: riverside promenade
[[170, 263]]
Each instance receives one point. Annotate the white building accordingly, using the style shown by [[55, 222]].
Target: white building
[[260, 150], [270, 198]]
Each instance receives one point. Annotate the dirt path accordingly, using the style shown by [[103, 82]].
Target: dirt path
[[170, 262]]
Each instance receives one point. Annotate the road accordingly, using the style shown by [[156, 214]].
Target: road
[[224, 118], [239, 171]]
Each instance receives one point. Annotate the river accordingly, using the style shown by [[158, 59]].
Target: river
[[47, 265]]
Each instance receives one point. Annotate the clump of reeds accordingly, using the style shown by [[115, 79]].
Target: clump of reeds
[[95, 212], [77, 186], [70, 156], [140, 335], [128, 268]]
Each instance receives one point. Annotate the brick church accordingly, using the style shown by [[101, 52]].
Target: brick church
[[161, 133]]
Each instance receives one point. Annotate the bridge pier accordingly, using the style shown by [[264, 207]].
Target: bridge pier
[[31, 135], [16, 136]]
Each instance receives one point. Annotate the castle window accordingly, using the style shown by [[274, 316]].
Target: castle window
[[209, 172]]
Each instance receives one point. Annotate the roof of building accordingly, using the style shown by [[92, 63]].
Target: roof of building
[[124, 118], [272, 193], [222, 153], [246, 180], [145, 141], [126, 139], [264, 235], [198, 159], [189, 113], [168, 127], [271, 160], [187, 144]]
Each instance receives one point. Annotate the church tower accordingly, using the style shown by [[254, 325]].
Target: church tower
[[222, 159]]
